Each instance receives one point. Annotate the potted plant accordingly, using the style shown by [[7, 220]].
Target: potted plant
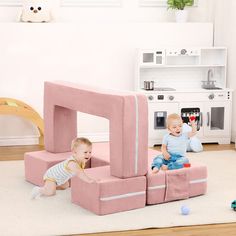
[[179, 5]]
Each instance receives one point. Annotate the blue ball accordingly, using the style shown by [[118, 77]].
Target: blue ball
[[185, 210]]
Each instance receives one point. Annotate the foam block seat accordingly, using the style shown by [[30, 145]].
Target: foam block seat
[[178, 184], [36, 164], [110, 194]]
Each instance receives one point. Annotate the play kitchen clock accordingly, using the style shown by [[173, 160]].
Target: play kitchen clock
[[190, 82]]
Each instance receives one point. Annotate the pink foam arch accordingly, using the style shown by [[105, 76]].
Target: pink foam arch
[[127, 113]]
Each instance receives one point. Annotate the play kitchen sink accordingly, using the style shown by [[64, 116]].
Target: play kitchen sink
[[209, 83]]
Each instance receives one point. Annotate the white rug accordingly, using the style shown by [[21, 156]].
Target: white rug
[[58, 216]]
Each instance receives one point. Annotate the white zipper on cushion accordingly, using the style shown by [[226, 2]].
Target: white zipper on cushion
[[195, 181], [136, 135], [122, 196]]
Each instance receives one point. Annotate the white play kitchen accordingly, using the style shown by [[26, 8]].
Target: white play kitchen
[[187, 81]]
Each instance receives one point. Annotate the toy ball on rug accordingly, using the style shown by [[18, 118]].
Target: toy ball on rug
[[36, 11], [185, 210]]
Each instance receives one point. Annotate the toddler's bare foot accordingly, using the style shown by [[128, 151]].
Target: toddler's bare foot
[[164, 167], [155, 170]]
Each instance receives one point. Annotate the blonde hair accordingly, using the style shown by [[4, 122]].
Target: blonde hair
[[172, 117], [78, 141]]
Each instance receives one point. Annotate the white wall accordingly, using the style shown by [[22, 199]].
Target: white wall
[[225, 34], [89, 45]]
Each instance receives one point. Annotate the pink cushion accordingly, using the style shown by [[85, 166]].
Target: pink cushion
[[110, 194], [157, 183], [36, 164], [126, 111], [100, 154]]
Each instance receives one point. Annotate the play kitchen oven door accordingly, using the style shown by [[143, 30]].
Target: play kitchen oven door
[[212, 118]]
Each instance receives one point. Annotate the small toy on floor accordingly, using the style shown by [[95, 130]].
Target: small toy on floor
[[233, 205], [185, 210]]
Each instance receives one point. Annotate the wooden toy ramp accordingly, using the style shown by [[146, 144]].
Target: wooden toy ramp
[[9, 106]]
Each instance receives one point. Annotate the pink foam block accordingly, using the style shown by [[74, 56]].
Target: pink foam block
[[127, 113], [194, 185], [37, 163], [110, 194], [100, 154]]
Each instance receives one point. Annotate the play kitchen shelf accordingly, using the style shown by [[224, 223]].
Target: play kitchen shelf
[[187, 81], [188, 66]]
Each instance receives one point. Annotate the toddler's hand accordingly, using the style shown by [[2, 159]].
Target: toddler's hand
[[166, 156], [155, 170]]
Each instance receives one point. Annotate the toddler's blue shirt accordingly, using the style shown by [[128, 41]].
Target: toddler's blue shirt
[[176, 144]]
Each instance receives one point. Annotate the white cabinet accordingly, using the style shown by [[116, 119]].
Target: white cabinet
[[178, 66], [186, 81]]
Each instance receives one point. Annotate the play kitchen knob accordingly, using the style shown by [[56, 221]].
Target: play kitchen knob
[[150, 97], [211, 96], [171, 97], [183, 51]]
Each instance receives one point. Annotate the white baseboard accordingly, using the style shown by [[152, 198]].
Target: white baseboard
[[34, 139]]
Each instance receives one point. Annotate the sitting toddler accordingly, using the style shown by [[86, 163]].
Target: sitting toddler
[[174, 145]]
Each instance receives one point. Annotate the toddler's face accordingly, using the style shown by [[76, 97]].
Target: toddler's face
[[83, 152], [175, 127]]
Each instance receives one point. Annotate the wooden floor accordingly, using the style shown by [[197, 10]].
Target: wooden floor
[[17, 153], [13, 153], [204, 230]]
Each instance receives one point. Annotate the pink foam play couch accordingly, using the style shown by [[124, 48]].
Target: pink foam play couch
[[110, 194], [121, 168]]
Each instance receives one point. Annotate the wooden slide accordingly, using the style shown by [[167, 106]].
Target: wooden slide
[[9, 106]]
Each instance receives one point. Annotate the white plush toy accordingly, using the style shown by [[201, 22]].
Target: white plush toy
[[36, 11]]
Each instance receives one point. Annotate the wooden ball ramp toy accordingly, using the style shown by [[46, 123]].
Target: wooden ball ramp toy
[[10, 106]]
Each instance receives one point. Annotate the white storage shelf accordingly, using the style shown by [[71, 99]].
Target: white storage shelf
[[211, 57], [187, 66]]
